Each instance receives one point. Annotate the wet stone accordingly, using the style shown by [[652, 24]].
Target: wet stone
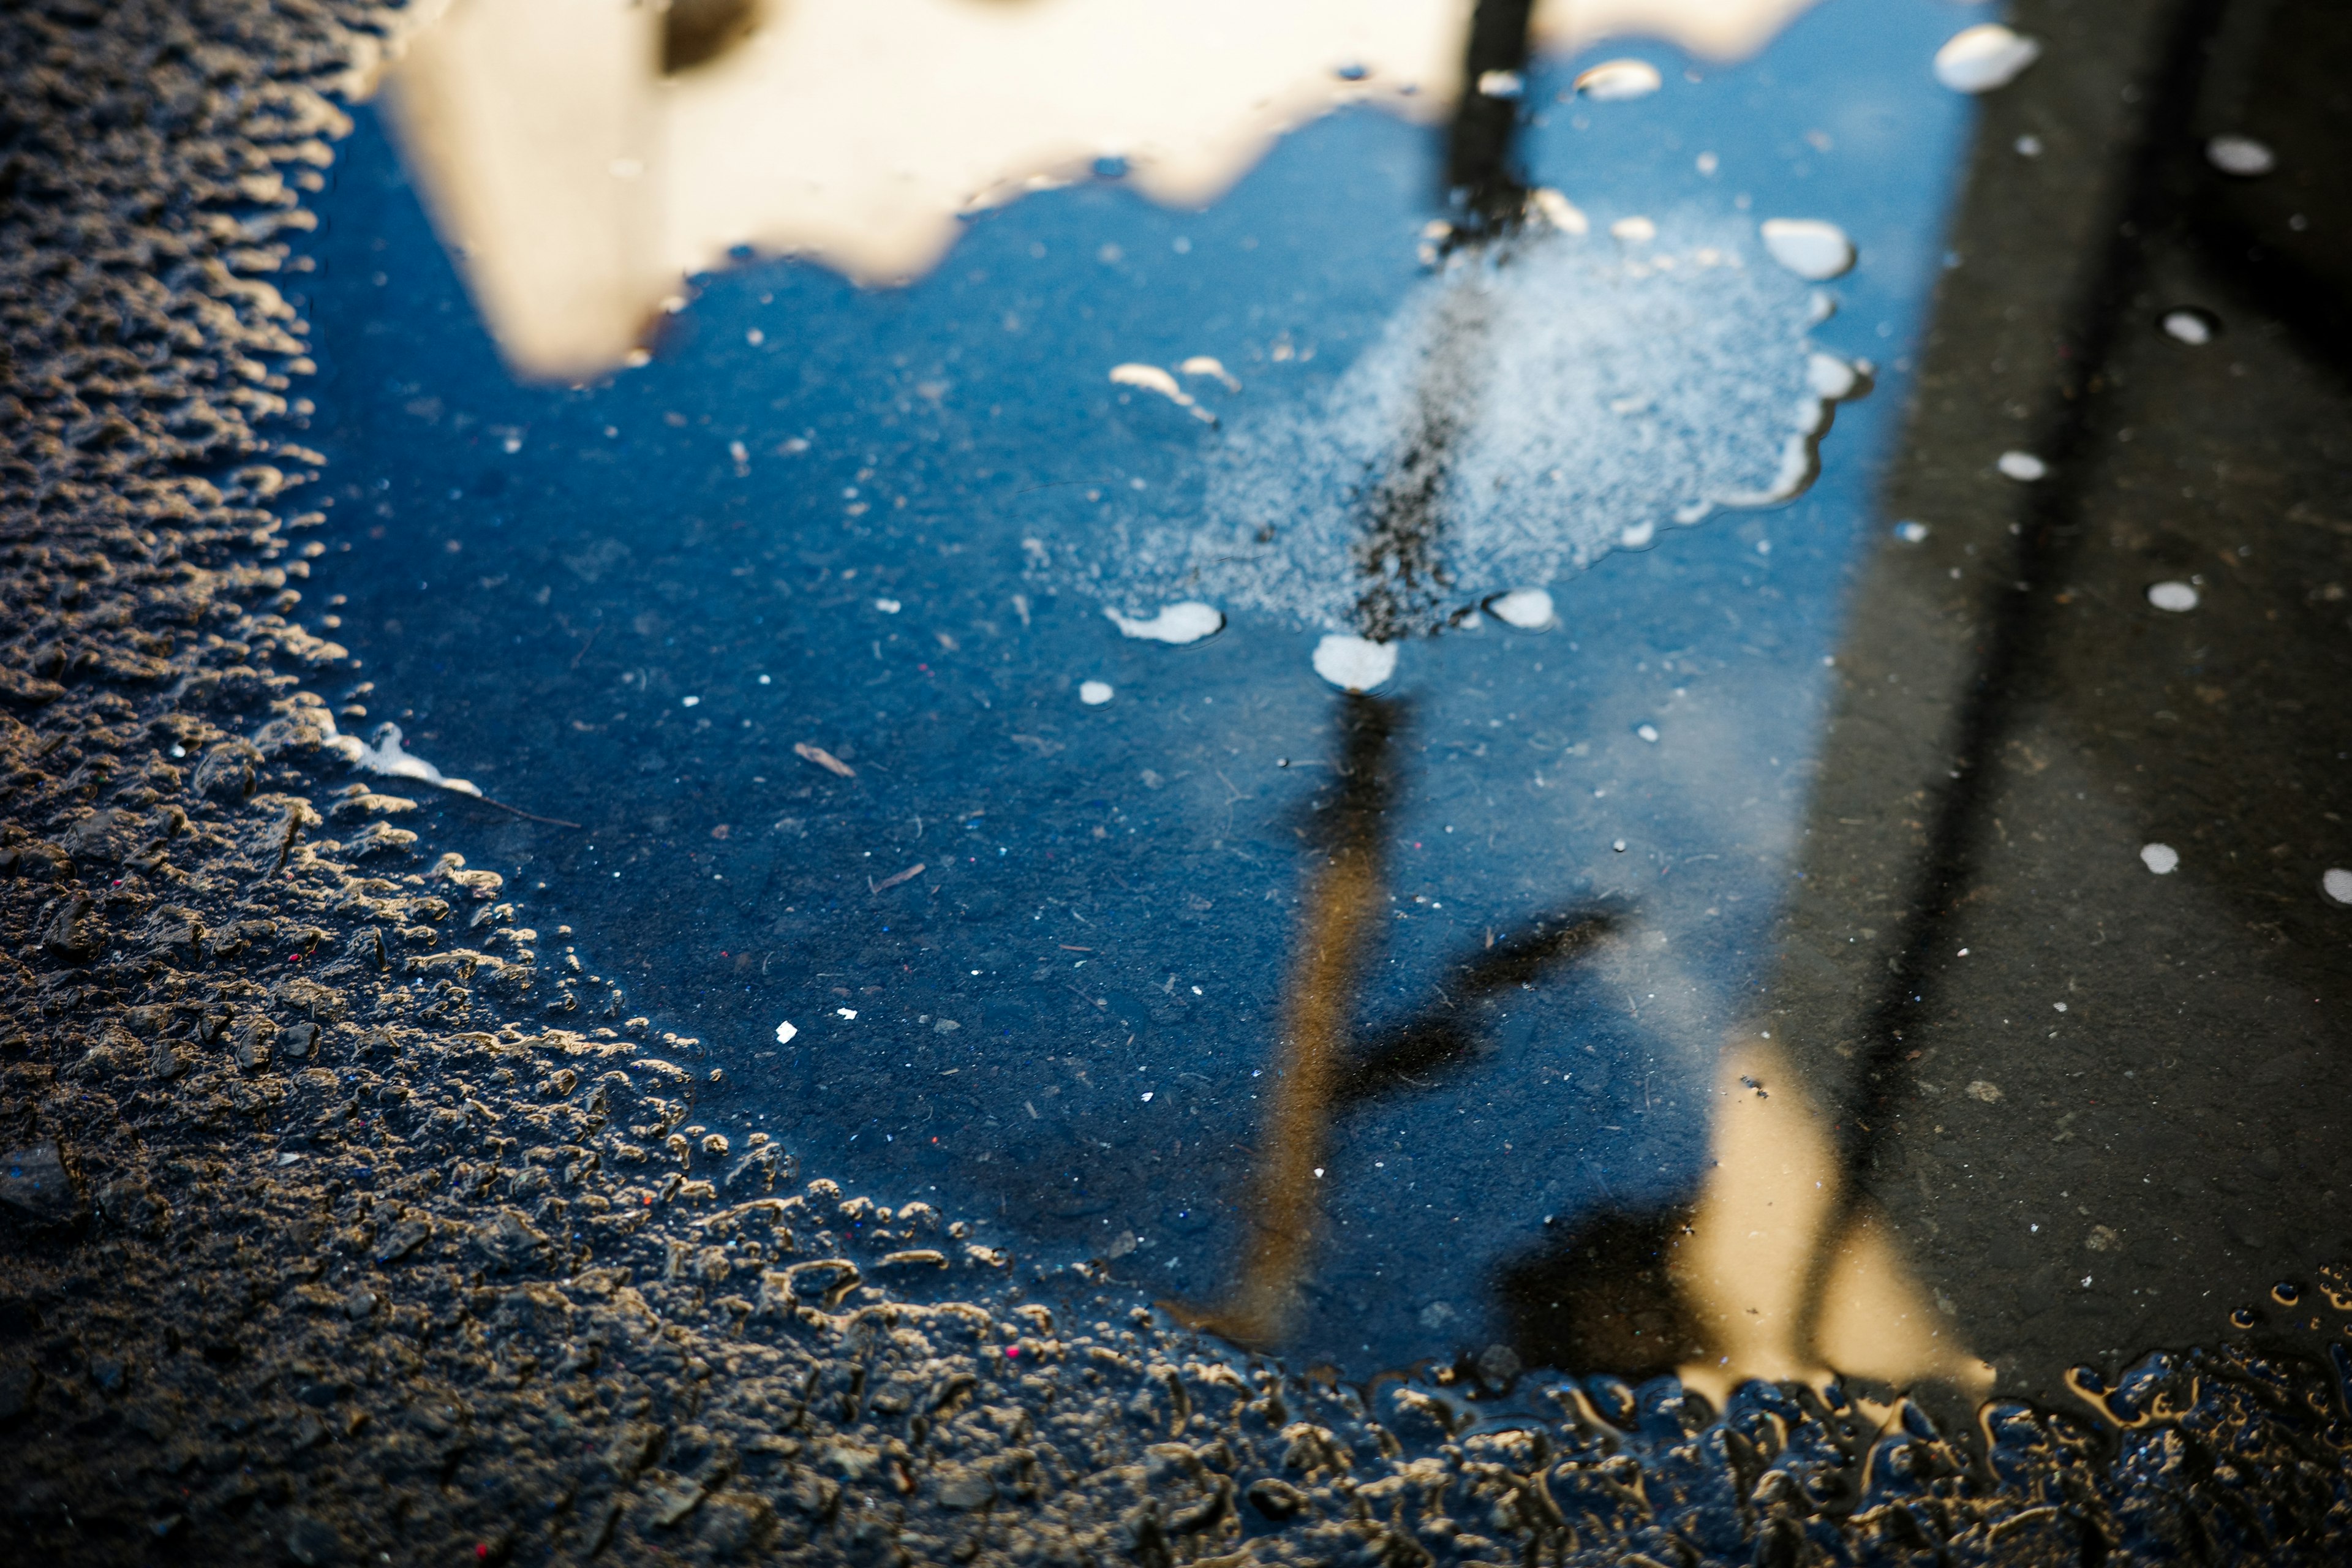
[[36, 1185]]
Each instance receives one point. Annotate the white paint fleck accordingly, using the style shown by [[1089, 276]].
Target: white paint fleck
[[784, 1032], [1812, 249], [1093, 693], [2240, 156], [1176, 624], [1613, 81], [1530, 609], [1985, 57], [2162, 859], [2177, 597], [1647, 731], [1354, 663], [1911, 533], [888, 606], [689, 701], [845, 1011], [2336, 883], [2022, 466]]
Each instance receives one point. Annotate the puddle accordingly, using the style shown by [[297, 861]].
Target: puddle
[[1260, 732]]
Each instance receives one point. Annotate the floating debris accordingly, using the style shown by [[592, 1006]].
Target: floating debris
[[2177, 597], [887, 883], [1093, 693], [1354, 663], [387, 757], [1647, 731], [784, 1033], [1812, 249], [2022, 466], [1206, 365], [1556, 211], [1983, 57], [1613, 81], [1528, 609], [1151, 378], [824, 759], [2241, 156], [1177, 624], [2162, 859]]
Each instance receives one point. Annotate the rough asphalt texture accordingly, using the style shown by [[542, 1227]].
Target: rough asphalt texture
[[333, 1230]]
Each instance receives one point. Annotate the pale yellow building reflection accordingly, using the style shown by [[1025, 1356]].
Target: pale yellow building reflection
[[581, 156]]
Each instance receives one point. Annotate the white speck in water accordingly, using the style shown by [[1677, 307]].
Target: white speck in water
[[1354, 663], [2029, 146], [2177, 597], [1093, 693], [1530, 609], [1985, 57], [1911, 533], [1319, 1172], [784, 1033], [689, 701], [1147, 1097], [887, 607], [739, 452], [1808, 247], [1647, 731], [1707, 163], [1151, 378], [1176, 624], [765, 679], [1196, 990], [2336, 883], [755, 337], [1634, 230], [1500, 84], [1205, 364], [2022, 466], [1558, 211], [1613, 82], [2240, 156], [2194, 328], [1618, 846], [1638, 536], [2162, 859], [845, 1011]]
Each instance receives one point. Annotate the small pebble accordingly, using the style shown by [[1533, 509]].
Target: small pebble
[[2022, 466], [2162, 859], [2336, 883], [2177, 597]]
